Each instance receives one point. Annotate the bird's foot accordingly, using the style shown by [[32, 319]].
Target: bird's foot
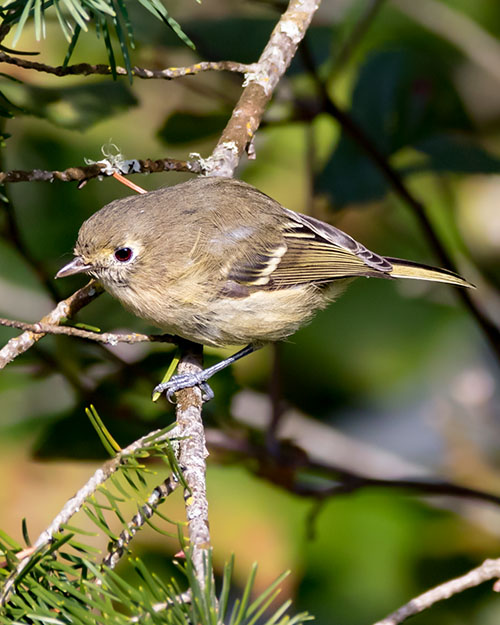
[[186, 380]]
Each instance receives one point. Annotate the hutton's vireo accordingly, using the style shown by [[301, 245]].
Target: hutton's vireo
[[217, 262]]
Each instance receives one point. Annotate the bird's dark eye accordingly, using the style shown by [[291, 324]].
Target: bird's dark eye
[[123, 254]]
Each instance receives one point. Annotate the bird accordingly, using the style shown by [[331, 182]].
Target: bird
[[216, 261]]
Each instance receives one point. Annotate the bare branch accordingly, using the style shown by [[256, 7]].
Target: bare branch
[[109, 338], [489, 569], [86, 69], [157, 497], [65, 309], [260, 84], [192, 460], [86, 172], [294, 462]]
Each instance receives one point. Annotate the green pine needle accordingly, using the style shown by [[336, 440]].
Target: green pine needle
[[109, 443]]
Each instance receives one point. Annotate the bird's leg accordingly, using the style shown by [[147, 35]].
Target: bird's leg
[[178, 382]]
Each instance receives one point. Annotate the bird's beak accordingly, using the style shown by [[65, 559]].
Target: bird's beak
[[75, 266]]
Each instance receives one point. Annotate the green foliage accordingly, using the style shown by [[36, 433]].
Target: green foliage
[[109, 17], [63, 582], [385, 365], [403, 99], [77, 107], [183, 127]]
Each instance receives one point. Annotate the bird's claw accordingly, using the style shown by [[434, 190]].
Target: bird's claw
[[187, 380]]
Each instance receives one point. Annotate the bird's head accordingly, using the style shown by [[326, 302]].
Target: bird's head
[[108, 249]]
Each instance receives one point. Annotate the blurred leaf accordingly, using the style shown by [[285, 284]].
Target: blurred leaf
[[77, 107], [402, 98], [239, 38], [186, 127], [457, 153], [403, 95], [350, 177]]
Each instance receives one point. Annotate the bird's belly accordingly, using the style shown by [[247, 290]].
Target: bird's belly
[[261, 317]]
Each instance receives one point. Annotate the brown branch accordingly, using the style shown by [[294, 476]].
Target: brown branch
[[109, 338], [260, 84], [86, 172], [86, 69], [64, 310], [118, 547], [489, 569], [286, 464], [192, 460]]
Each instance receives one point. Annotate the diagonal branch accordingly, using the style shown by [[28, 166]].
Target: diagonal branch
[[157, 497], [396, 182], [64, 310], [260, 84], [488, 570], [286, 464], [258, 89]]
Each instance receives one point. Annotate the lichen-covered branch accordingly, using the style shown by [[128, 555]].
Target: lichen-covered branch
[[192, 460], [86, 69], [109, 338], [65, 309], [85, 172], [260, 84]]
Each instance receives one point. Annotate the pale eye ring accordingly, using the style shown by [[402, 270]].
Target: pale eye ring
[[124, 254]]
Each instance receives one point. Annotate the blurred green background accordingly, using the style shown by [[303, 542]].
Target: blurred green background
[[393, 380]]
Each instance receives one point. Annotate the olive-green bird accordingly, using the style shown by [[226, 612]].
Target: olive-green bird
[[217, 262]]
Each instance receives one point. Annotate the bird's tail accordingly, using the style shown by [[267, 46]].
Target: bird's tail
[[409, 269]]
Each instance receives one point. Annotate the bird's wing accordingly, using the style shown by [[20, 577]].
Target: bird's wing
[[307, 251]]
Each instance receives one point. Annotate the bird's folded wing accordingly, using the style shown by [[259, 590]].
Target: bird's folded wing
[[308, 251]]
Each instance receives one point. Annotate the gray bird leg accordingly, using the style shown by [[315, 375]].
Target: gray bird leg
[[178, 382]]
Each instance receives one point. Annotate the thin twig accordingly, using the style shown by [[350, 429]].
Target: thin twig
[[108, 338], [118, 547], [86, 69], [65, 309], [370, 11], [489, 569], [286, 464], [491, 331], [85, 172]]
